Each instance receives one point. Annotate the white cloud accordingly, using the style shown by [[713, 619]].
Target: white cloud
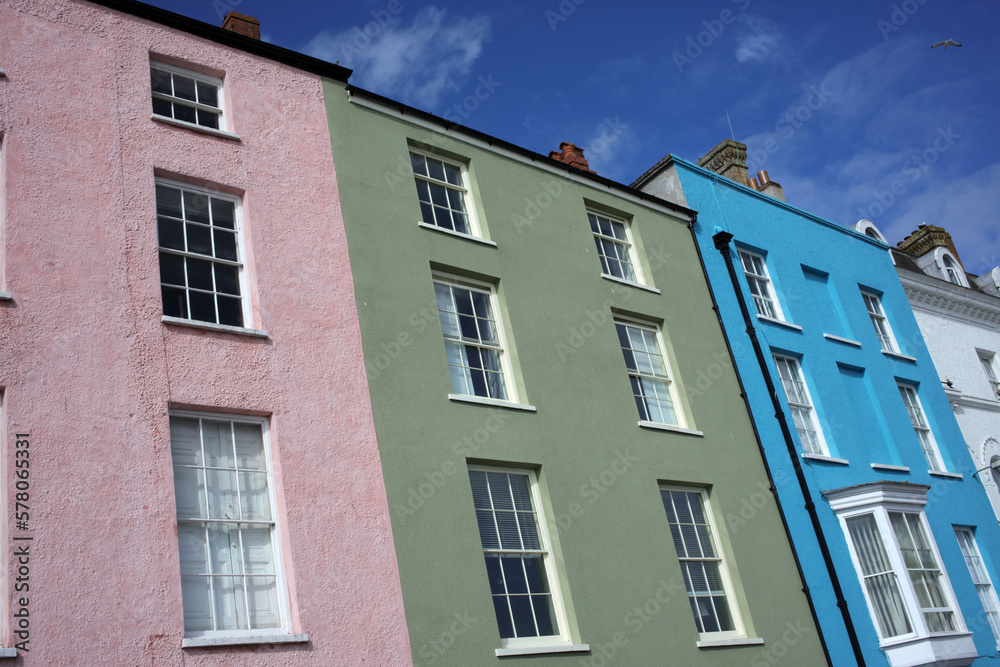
[[760, 43], [416, 63]]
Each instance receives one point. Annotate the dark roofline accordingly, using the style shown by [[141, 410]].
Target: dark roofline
[[405, 110], [228, 38]]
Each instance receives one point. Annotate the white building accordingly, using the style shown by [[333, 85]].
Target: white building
[[959, 316]]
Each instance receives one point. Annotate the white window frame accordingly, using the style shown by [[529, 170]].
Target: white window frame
[[637, 375], [278, 634], [475, 230], [767, 298], [501, 347], [804, 405], [878, 500], [883, 330], [921, 427], [738, 631], [626, 244], [952, 271], [219, 111], [988, 360], [980, 578], [528, 644], [246, 310]]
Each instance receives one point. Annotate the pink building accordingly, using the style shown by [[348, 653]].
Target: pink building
[[184, 405]]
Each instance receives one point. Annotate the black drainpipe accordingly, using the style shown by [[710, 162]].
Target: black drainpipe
[[722, 240]]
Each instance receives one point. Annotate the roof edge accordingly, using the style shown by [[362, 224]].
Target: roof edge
[[671, 159], [514, 148], [228, 38]]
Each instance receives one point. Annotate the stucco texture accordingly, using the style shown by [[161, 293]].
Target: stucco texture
[[818, 271], [598, 471], [91, 371]]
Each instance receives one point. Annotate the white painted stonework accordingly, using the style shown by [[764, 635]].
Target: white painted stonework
[[958, 324]]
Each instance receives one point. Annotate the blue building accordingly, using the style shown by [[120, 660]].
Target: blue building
[[895, 536]]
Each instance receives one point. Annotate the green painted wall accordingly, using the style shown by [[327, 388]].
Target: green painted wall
[[610, 536]]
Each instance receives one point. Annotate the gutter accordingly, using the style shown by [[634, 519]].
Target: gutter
[[228, 38], [722, 240], [760, 448]]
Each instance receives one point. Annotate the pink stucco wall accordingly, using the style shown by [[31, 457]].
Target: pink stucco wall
[[91, 371]]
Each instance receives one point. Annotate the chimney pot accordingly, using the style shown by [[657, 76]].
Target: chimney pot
[[242, 24], [762, 175], [754, 184], [572, 155]]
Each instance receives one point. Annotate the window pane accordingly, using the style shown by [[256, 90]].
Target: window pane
[[518, 582], [702, 570], [189, 487], [193, 546], [197, 604], [263, 599]]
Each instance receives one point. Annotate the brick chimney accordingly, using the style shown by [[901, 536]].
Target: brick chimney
[[728, 159], [926, 238], [242, 25], [572, 155]]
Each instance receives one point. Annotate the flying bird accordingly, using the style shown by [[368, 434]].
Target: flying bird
[[946, 43]]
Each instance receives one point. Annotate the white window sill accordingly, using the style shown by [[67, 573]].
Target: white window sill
[[840, 339], [667, 427], [208, 326], [825, 459], [949, 475], [897, 355], [463, 398], [6, 296], [780, 323], [542, 648], [195, 127], [452, 232], [736, 641], [630, 283], [7, 651], [236, 640], [891, 468]]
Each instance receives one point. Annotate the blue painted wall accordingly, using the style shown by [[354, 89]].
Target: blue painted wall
[[818, 269]]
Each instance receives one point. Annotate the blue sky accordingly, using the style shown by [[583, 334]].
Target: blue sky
[[845, 104]]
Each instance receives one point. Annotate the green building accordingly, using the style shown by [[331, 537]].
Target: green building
[[572, 474]]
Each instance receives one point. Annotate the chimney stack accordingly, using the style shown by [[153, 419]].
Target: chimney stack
[[768, 187], [242, 24], [572, 155], [728, 159], [926, 238]]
